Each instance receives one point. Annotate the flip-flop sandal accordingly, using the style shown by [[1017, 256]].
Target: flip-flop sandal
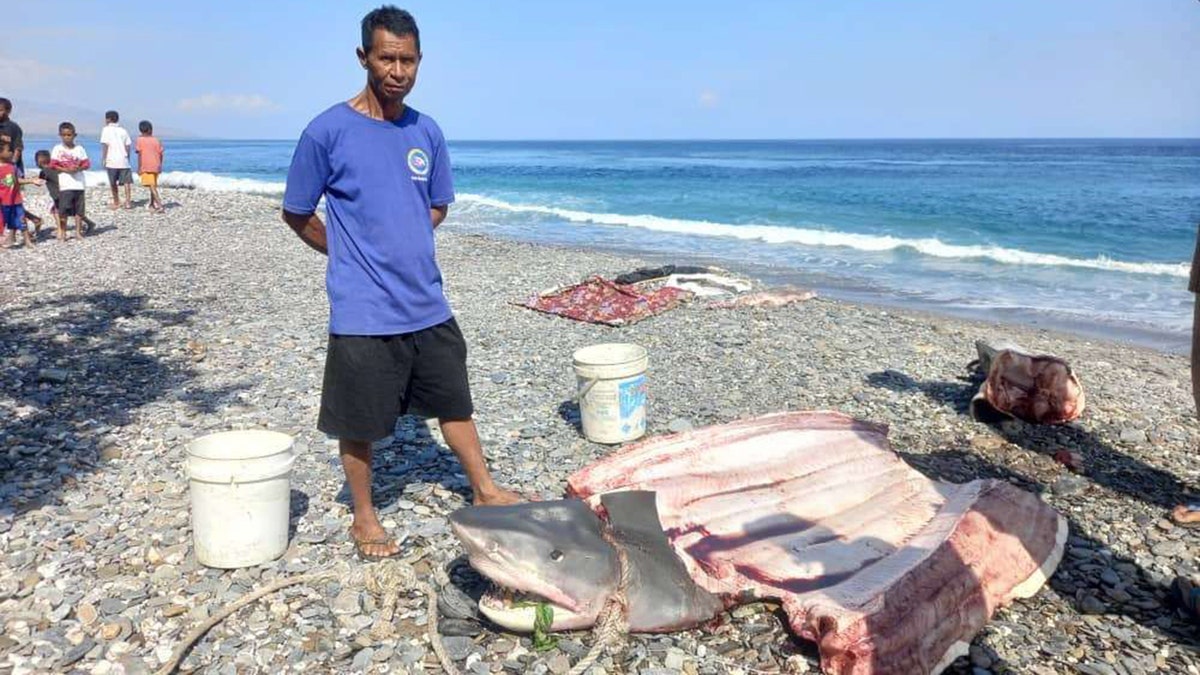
[[1186, 515], [359, 551], [1187, 595]]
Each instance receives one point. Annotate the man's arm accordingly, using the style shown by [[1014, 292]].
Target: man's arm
[[309, 228], [438, 214]]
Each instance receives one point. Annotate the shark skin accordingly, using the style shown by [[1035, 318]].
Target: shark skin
[[889, 572]]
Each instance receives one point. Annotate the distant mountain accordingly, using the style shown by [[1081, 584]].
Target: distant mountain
[[42, 119]]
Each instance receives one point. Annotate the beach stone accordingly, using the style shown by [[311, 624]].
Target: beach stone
[[679, 425], [1090, 604], [1133, 436], [674, 659], [980, 658], [347, 602], [1069, 485], [174, 610], [458, 647], [453, 603], [53, 375], [74, 654], [794, 664], [559, 664], [1169, 549], [362, 659], [459, 627], [87, 613]]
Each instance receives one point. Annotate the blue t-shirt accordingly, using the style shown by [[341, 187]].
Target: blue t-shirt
[[379, 179]]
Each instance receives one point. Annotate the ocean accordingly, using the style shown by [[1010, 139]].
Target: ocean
[[1090, 236]]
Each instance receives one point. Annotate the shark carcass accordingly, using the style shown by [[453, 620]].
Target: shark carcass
[[886, 570]]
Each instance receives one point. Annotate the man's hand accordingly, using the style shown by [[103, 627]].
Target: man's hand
[[437, 214], [309, 228]]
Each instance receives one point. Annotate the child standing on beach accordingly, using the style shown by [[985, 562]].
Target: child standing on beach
[[70, 160], [11, 208], [150, 161], [114, 144]]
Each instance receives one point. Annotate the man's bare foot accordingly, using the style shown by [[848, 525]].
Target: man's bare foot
[[373, 543], [114, 206], [1187, 515], [497, 497]]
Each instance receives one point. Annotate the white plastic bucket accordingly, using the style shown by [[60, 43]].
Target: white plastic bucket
[[241, 496], [612, 391]]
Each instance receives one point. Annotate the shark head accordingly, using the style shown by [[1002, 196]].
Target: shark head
[[537, 552]]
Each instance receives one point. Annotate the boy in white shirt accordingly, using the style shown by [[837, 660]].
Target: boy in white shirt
[[115, 142], [70, 160]]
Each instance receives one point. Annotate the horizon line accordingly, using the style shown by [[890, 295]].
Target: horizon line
[[192, 137]]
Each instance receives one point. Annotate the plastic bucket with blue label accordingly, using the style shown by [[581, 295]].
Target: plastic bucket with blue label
[[612, 391]]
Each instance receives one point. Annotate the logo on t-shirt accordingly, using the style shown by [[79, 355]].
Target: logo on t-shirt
[[418, 161]]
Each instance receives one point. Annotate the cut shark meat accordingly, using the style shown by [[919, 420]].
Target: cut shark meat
[[1037, 388], [886, 570]]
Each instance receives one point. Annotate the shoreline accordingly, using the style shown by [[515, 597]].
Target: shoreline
[[120, 349], [1154, 339]]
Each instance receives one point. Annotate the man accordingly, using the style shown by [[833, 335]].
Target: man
[[394, 346], [114, 143], [10, 132], [1186, 591]]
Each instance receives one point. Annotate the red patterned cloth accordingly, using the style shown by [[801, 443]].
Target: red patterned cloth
[[599, 300]]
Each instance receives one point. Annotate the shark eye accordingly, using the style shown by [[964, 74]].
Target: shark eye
[[556, 555]]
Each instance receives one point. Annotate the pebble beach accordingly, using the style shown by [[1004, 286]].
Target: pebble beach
[[119, 349]]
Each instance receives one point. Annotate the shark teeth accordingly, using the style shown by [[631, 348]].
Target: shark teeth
[[503, 597]]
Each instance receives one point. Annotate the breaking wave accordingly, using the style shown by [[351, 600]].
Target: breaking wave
[[774, 234], [201, 180]]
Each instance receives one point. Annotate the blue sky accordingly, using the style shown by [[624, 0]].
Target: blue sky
[[569, 70]]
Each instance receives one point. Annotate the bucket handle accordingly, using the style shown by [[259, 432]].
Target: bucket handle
[[583, 392]]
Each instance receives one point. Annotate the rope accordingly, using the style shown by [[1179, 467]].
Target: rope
[[386, 579], [613, 622], [389, 578]]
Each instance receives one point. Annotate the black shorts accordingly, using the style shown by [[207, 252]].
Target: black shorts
[[372, 380], [71, 203], [120, 177]]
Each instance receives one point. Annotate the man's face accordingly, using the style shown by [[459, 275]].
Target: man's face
[[4, 112], [67, 136], [391, 65]]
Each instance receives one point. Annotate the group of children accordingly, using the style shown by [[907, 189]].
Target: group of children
[[61, 171]]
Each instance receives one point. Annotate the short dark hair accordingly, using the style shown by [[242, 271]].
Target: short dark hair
[[145, 127], [66, 126], [37, 156], [6, 104], [394, 20], [112, 116]]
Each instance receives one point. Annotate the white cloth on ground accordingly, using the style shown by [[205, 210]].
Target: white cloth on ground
[[708, 285]]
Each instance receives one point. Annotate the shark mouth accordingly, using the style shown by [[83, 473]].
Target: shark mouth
[[517, 610]]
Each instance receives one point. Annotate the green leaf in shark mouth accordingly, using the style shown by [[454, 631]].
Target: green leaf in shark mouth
[[543, 619]]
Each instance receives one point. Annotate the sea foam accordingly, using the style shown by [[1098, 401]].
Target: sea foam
[[201, 180], [774, 234]]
